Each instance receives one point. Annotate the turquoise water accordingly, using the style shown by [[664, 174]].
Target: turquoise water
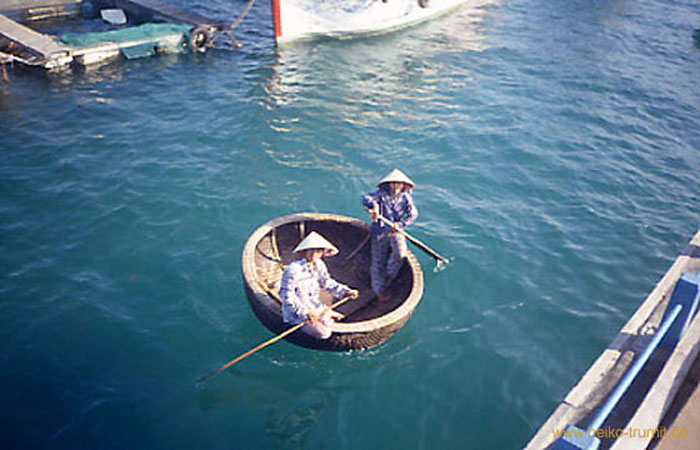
[[555, 148]]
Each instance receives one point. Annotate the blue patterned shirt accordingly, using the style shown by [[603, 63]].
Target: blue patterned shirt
[[400, 210], [300, 288]]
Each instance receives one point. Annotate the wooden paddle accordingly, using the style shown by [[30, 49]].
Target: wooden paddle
[[423, 247], [269, 341]]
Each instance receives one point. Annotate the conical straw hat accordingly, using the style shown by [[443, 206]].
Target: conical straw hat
[[315, 240], [397, 176]]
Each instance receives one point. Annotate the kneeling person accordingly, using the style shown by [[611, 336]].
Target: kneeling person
[[302, 282]]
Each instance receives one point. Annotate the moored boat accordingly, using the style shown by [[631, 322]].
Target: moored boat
[[309, 19], [367, 323]]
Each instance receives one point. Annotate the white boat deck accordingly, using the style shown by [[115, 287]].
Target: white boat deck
[[299, 20]]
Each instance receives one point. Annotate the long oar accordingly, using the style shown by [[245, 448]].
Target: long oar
[[266, 343], [423, 247]]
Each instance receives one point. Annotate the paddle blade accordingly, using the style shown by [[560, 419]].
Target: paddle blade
[[441, 264]]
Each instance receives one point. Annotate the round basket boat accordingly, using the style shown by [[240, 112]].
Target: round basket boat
[[367, 323]]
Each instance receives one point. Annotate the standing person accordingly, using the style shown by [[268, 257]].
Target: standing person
[[392, 200], [302, 282]]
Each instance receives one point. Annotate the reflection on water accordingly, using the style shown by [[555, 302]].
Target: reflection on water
[[379, 64], [363, 84], [112, 71]]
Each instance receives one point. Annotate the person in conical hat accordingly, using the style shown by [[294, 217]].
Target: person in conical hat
[[315, 241], [393, 200], [302, 282], [396, 176]]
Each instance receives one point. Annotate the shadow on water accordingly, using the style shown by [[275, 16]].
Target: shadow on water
[[291, 414], [295, 387], [292, 408]]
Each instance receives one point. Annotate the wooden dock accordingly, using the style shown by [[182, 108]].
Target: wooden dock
[[8, 5], [20, 43], [33, 48], [651, 396], [30, 10]]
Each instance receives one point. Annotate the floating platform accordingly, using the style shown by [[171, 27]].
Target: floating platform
[[643, 415], [19, 42]]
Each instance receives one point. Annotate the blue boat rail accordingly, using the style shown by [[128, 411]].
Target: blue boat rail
[[680, 311]]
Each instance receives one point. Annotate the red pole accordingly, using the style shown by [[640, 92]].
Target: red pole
[[277, 17]]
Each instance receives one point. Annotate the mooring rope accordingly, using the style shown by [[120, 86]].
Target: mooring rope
[[242, 15], [229, 31]]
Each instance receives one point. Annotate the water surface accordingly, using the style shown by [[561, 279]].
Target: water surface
[[555, 149]]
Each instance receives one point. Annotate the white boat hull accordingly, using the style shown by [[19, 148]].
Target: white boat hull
[[296, 20]]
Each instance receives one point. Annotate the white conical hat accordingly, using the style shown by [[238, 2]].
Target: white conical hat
[[315, 240], [397, 176]]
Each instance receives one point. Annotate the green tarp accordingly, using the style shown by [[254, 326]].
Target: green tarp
[[155, 33]]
